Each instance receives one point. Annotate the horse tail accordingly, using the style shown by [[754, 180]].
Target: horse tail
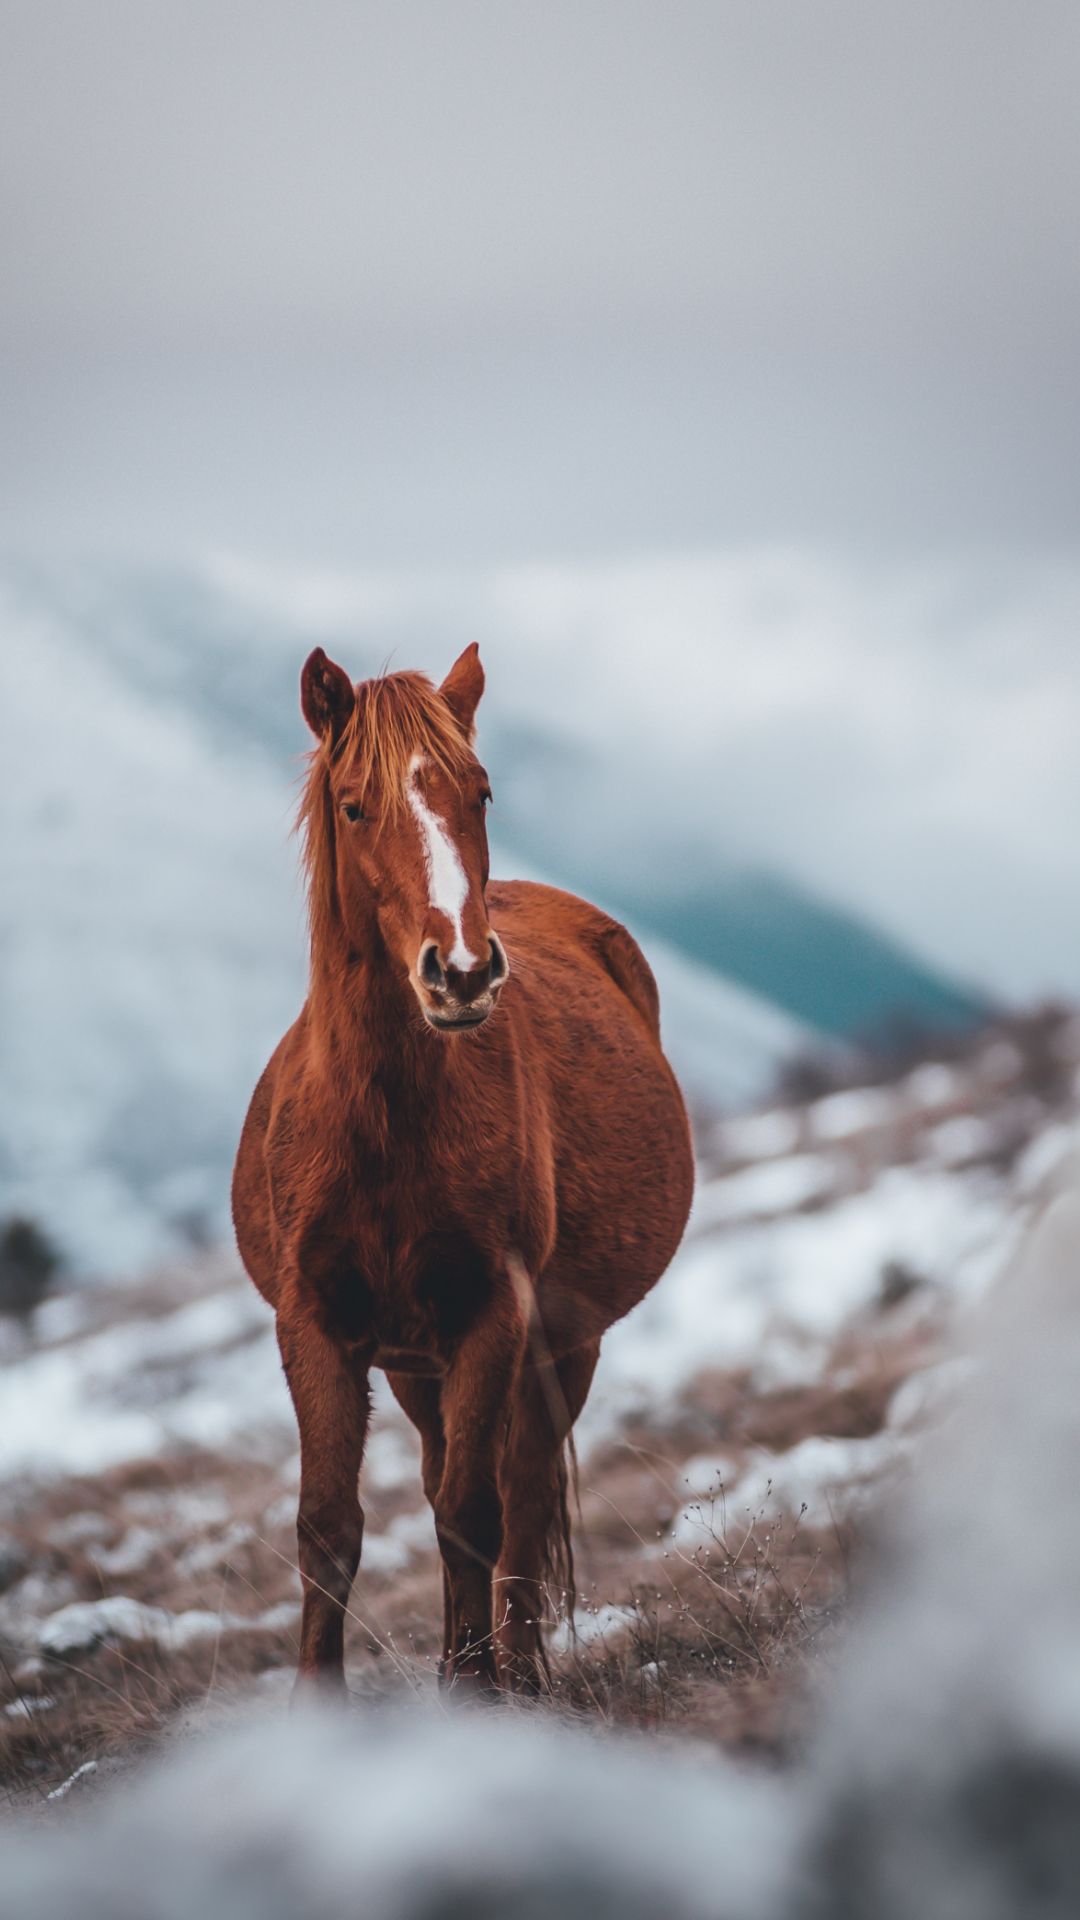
[[559, 1545], [557, 1561]]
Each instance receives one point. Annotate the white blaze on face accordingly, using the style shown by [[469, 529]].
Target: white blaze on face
[[448, 886]]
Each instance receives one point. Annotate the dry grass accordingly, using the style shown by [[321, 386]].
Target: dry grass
[[118, 1700], [713, 1644], [716, 1644]]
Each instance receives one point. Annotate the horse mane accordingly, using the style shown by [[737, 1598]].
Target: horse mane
[[394, 717]]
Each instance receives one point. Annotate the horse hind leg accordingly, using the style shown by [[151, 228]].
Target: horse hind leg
[[478, 1393], [536, 1566]]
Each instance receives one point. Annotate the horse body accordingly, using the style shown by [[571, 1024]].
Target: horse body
[[467, 1211]]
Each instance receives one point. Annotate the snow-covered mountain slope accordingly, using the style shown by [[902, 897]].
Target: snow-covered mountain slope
[[150, 949], [151, 932]]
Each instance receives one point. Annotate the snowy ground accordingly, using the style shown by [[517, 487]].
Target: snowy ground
[[804, 1333]]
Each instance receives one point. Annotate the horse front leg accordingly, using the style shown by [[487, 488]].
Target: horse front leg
[[468, 1507], [422, 1401], [333, 1403]]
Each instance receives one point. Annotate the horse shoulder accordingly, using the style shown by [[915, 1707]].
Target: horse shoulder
[[252, 1209]]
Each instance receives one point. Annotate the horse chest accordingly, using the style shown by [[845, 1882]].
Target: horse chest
[[424, 1281], [411, 1243]]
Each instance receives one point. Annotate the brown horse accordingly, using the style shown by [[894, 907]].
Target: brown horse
[[465, 1161]]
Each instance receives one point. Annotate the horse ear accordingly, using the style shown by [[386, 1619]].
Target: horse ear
[[462, 688], [326, 695]]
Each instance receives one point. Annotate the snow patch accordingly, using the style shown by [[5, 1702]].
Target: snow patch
[[760, 1136], [596, 1623], [839, 1116], [774, 1186], [90, 1623]]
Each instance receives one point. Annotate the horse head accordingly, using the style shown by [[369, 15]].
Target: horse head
[[396, 809]]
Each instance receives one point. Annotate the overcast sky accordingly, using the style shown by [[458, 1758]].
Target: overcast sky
[[426, 283]]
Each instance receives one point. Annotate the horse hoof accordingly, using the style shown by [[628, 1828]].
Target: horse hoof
[[317, 1686]]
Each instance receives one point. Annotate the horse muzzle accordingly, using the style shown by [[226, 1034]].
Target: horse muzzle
[[447, 1022], [454, 999]]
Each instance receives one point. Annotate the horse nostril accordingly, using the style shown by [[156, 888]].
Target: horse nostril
[[500, 966], [430, 968]]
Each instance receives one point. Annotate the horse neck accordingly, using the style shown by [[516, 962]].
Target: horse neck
[[364, 1021]]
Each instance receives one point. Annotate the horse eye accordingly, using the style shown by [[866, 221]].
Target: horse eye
[[485, 797], [352, 811]]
